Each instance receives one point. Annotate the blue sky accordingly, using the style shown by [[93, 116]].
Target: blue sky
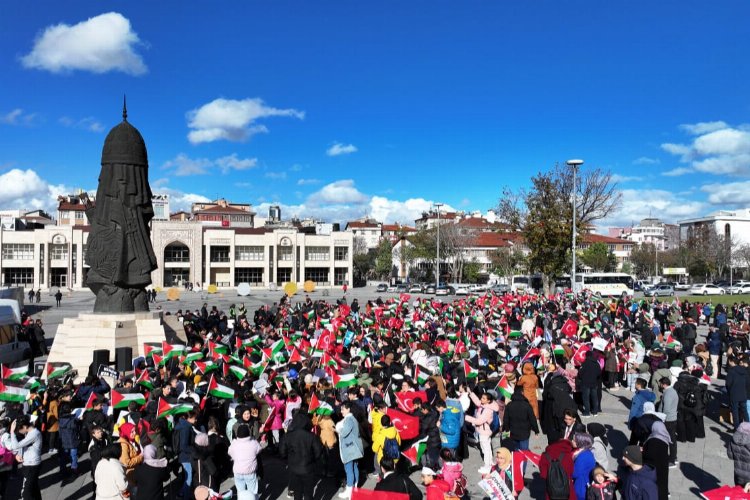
[[341, 109]]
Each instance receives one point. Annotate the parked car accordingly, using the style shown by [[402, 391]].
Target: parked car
[[402, 288], [500, 289], [382, 288], [463, 290], [682, 287], [391, 288], [430, 289], [442, 290], [706, 289], [661, 290], [743, 287], [415, 288]]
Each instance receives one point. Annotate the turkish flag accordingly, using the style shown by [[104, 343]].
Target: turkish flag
[[726, 492], [405, 399], [569, 328], [406, 425], [362, 494]]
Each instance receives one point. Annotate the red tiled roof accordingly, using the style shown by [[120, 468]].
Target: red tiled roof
[[361, 225], [64, 205], [494, 240], [218, 209], [600, 238], [396, 227]]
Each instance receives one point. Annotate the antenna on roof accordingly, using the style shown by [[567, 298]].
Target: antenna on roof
[[124, 108]]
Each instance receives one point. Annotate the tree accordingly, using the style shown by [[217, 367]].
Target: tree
[[643, 258], [471, 271], [544, 214], [506, 261], [383, 259], [598, 257], [363, 259]]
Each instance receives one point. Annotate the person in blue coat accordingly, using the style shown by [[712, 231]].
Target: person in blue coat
[[583, 463], [641, 396], [69, 438], [640, 484], [451, 423], [350, 447]]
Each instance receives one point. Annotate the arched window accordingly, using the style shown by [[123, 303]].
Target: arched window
[[727, 231], [176, 252]]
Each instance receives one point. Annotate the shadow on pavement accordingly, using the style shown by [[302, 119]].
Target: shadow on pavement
[[702, 479]]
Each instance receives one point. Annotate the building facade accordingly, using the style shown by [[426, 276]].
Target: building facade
[[731, 224], [187, 252]]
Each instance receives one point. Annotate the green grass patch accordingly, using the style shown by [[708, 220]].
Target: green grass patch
[[714, 299]]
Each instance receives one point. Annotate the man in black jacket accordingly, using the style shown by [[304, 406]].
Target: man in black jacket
[[519, 420], [396, 483], [303, 451], [428, 428], [589, 378]]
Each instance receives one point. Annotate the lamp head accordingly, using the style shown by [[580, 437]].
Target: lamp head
[[574, 163]]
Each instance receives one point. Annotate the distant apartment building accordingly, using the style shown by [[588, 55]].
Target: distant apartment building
[[734, 224], [651, 231]]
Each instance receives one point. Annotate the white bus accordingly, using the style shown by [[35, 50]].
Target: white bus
[[605, 284]]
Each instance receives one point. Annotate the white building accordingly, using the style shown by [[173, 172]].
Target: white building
[[733, 224], [368, 230], [651, 231]]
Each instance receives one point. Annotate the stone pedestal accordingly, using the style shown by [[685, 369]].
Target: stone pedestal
[[77, 338]]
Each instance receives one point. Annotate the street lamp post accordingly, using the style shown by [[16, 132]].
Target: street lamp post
[[574, 164], [437, 271]]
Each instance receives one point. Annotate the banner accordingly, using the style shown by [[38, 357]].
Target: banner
[[495, 487]]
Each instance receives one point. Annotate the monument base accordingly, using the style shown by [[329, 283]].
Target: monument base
[[77, 338]]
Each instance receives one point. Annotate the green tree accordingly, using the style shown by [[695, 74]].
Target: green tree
[[506, 261], [471, 271], [383, 259], [597, 257], [363, 259], [544, 214], [643, 258]]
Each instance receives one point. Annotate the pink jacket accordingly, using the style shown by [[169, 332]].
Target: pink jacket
[[451, 471], [277, 407], [483, 418]]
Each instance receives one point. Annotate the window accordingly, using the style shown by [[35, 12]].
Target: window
[[18, 251], [220, 254], [79, 215], [247, 253], [286, 253], [254, 276], [317, 253], [341, 253], [339, 276], [283, 276], [18, 276], [176, 252], [58, 251], [318, 275]]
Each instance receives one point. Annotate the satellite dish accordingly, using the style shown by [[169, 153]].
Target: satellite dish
[[243, 289], [290, 288], [309, 286]]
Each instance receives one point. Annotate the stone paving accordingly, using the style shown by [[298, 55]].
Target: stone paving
[[703, 465]]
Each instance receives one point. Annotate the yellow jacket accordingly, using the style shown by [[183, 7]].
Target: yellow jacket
[[376, 416], [378, 440]]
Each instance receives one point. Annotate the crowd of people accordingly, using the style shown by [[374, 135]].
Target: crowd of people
[[344, 390]]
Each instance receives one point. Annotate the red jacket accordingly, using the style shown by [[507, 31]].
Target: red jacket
[[437, 489], [554, 450]]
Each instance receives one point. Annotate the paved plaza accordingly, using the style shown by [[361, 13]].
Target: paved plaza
[[703, 465]]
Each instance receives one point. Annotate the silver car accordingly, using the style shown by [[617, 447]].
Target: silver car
[[660, 291]]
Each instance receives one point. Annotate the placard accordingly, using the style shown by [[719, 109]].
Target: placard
[[107, 371], [495, 487]]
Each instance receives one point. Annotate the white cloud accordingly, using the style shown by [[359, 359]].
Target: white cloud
[[231, 162], [24, 189], [702, 127], [341, 192], [100, 44], [232, 120], [728, 193], [341, 149], [182, 165], [676, 172], [716, 149], [89, 123], [405, 212], [625, 178], [639, 204], [277, 176], [307, 182], [18, 117], [644, 160]]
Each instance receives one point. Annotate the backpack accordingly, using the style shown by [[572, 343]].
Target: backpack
[[709, 368], [558, 483], [390, 448], [691, 399], [495, 424], [6, 456], [459, 486]]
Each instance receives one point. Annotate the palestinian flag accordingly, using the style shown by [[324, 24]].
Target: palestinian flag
[[452, 335], [670, 341], [469, 371], [55, 370], [251, 342], [220, 391], [558, 350], [343, 380], [13, 394], [504, 388], [319, 407], [414, 453], [514, 334], [205, 366], [90, 402], [151, 348], [421, 374], [215, 348], [328, 360], [159, 360], [295, 356], [165, 409], [255, 368], [13, 374], [120, 400], [192, 357], [238, 371], [145, 380], [32, 383], [171, 350], [368, 322]]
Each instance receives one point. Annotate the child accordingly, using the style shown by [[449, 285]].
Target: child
[[602, 486]]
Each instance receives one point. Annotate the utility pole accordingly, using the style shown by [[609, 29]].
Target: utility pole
[[437, 271], [574, 164]]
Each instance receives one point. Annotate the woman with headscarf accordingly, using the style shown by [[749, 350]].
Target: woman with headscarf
[[656, 454], [130, 452], [583, 463], [529, 381], [600, 447], [109, 476], [509, 472], [151, 475], [739, 451], [204, 466]]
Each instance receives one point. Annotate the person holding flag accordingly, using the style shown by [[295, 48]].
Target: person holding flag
[[482, 422]]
